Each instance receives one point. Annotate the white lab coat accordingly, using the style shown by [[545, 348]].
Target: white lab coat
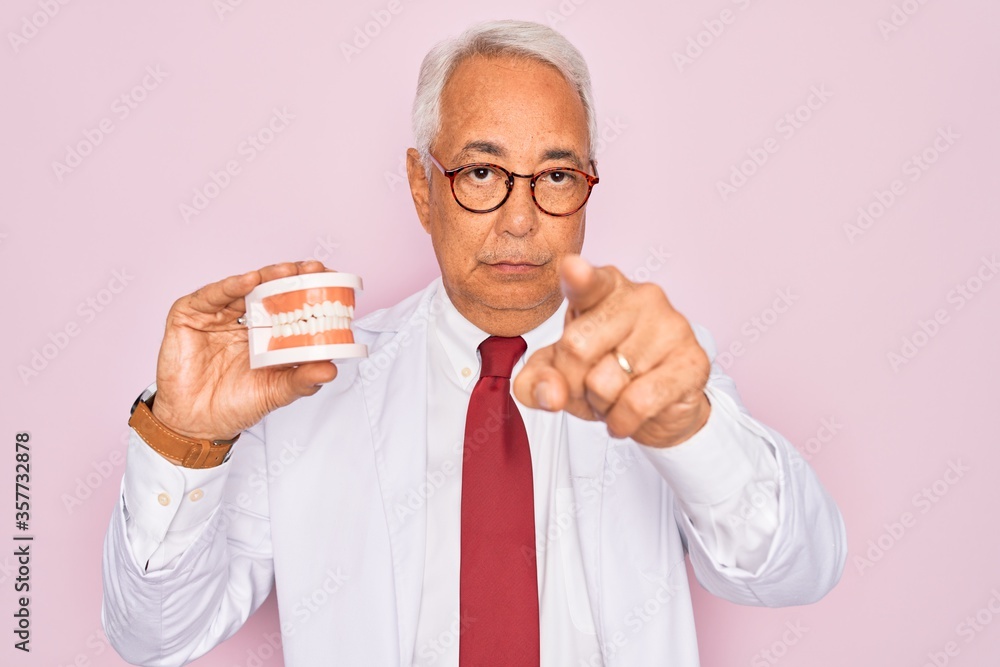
[[322, 499]]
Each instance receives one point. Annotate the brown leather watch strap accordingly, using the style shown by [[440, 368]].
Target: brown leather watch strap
[[176, 448]]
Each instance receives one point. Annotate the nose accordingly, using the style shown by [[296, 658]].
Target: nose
[[519, 216]]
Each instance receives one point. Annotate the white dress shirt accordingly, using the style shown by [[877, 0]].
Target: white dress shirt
[[724, 478], [567, 632]]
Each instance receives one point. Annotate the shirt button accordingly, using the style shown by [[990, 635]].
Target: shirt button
[[466, 372], [163, 499], [196, 495]]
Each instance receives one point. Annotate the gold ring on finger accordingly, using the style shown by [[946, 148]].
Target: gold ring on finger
[[624, 364]]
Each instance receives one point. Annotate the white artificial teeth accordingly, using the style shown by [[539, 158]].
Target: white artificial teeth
[[312, 325], [274, 320], [298, 314], [327, 308]]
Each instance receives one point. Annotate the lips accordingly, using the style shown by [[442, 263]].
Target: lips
[[314, 316]]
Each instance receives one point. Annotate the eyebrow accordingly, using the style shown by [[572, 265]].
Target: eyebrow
[[490, 148]]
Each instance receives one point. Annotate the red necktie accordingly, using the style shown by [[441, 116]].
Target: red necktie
[[499, 580]]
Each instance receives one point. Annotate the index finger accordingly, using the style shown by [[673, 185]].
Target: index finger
[[585, 285]]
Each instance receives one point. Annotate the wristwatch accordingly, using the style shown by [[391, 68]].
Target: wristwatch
[[176, 448]]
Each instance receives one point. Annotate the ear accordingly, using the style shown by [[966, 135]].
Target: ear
[[420, 187]]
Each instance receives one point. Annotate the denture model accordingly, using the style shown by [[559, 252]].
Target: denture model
[[303, 318]]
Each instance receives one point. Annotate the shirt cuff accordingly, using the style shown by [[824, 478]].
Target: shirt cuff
[[159, 496], [716, 462]]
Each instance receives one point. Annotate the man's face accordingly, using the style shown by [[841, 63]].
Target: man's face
[[500, 268]]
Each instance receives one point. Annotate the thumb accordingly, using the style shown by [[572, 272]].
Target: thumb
[[303, 380]]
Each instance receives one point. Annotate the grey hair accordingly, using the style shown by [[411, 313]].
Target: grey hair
[[520, 39]]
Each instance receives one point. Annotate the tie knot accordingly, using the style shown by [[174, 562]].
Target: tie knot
[[500, 354]]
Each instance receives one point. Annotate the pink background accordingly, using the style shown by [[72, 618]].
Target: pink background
[[328, 186]]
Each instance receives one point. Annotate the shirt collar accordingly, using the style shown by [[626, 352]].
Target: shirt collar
[[460, 338]]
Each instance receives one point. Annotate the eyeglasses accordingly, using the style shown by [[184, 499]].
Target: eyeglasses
[[482, 187]]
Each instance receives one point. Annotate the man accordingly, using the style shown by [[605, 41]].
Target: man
[[412, 513]]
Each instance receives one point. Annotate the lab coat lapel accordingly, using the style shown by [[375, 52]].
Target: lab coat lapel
[[394, 382]]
